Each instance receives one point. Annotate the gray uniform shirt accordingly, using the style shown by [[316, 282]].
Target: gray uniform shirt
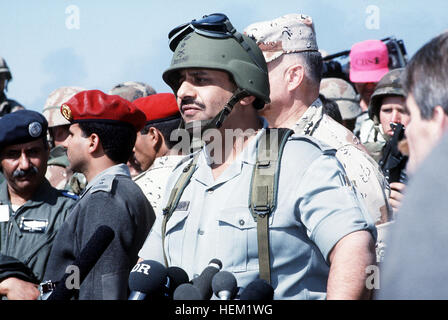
[[316, 208], [111, 199]]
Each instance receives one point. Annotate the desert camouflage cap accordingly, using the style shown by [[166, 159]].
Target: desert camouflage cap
[[343, 94], [389, 85], [132, 90], [52, 107], [289, 33]]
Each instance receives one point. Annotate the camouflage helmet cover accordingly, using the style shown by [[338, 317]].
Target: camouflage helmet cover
[[343, 93], [197, 51], [389, 85], [5, 69], [53, 104], [132, 90]]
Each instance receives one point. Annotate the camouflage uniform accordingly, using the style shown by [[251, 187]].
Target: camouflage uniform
[[58, 173], [132, 90], [7, 105], [389, 85], [295, 33], [153, 181]]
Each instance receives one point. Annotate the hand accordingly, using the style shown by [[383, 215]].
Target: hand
[[396, 195], [16, 289]]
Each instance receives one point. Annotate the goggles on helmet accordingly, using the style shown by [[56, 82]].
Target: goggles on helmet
[[216, 25]]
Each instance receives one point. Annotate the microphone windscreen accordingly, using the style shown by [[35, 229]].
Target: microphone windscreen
[[204, 281], [187, 291], [86, 260], [216, 263], [224, 282], [148, 277], [259, 290], [177, 276]]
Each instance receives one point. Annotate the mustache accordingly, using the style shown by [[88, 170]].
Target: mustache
[[19, 173], [191, 101]]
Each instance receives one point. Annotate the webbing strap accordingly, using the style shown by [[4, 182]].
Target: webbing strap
[[263, 196], [175, 195]]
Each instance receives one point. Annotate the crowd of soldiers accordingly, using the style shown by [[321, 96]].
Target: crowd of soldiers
[[306, 193]]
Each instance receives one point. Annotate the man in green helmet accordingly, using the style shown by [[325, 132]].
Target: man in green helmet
[[316, 223]]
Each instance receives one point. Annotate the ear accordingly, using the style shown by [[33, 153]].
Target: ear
[[94, 143], [440, 118], [294, 76], [247, 100]]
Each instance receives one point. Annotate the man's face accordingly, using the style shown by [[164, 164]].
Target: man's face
[[393, 109], [365, 89], [59, 134], [77, 148], [203, 93], [144, 149], [24, 165], [278, 92], [420, 135]]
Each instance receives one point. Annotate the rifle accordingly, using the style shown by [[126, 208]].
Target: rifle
[[393, 162]]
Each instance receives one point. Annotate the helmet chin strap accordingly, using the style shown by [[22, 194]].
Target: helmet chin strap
[[197, 128]]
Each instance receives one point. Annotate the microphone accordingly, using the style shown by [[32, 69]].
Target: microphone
[[204, 281], [147, 278], [224, 285], [176, 277], [187, 291], [200, 287], [86, 260], [258, 289]]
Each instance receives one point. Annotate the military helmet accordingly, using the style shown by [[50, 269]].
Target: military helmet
[[389, 85], [343, 93], [132, 90], [52, 107], [5, 69], [249, 71]]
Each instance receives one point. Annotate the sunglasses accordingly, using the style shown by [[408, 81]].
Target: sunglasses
[[216, 25]]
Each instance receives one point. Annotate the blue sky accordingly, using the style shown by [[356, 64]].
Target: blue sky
[[121, 41]]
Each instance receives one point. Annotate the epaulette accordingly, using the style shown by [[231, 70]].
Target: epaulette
[[69, 194], [104, 184]]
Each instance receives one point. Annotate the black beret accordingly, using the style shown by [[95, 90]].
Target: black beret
[[21, 127]]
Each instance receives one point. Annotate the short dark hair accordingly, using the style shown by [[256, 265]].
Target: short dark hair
[[117, 139], [426, 76], [312, 62], [331, 108], [166, 127]]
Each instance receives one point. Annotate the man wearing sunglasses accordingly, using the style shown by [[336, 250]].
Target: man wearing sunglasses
[[220, 79]]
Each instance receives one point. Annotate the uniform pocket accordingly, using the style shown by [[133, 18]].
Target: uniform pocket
[[175, 232], [238, 239]]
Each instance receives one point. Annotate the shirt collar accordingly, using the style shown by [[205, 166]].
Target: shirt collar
[[310, 118], [248, 156], [118, 169]]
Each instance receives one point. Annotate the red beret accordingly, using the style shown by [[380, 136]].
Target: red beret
[[157, 107], [95, 105]]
